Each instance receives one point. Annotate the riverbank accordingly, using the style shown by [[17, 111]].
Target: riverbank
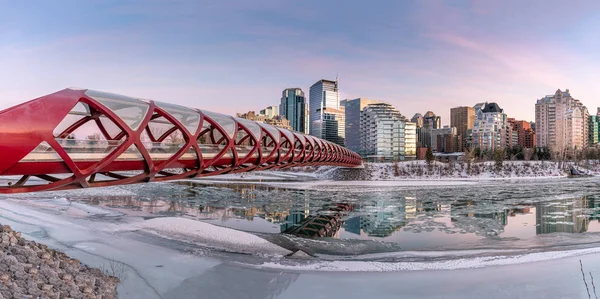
[[32, 270], [419, 170]]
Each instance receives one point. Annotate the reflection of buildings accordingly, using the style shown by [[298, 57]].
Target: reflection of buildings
[[561, 216], [183, 204], [465, 215], [352, 225], [593, 205], [379, 220], [299, 211]]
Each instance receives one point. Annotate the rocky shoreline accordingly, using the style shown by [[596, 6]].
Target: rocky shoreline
[[32, 270]]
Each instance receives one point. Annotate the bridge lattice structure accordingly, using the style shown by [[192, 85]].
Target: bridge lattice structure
[[80, 138]]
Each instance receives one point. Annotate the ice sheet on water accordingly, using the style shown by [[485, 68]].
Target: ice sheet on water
[[210, 235]]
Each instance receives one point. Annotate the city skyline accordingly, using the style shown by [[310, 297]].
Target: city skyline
[[195, 54]]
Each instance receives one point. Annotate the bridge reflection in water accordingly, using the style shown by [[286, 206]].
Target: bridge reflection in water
[[83, 138]]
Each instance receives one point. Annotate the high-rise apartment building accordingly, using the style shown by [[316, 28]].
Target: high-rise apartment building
[[352, 133], [525, 135], [325, 111], [270, 112], [294, 107], [383, 135], [462, 118], [490, 130], [561, 122]]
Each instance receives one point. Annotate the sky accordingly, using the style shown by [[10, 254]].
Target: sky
[[233, 56]]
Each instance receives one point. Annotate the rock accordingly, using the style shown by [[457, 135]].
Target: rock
[[11, 260], [32, 270]]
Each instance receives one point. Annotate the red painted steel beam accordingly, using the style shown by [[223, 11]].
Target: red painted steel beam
[[39, 156]]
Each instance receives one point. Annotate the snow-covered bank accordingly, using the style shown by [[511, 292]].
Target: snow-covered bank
[[419, 170]]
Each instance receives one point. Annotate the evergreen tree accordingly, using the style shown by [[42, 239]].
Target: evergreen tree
[[429, 156]]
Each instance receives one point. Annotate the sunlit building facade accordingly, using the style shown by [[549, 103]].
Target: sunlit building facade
[[561, 122], [463, 119], [270, 112], [410, 140]]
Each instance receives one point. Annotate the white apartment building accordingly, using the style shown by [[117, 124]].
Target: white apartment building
[[490, 127], [561, 122], [383, 134]]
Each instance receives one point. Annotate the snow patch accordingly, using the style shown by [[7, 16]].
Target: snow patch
[[210, 235], [466, 263]]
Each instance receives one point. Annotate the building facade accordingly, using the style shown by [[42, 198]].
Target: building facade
[[443, 140], [490, 130], [352, 110], [430, 122], [525, 135], [417, 119], [294, 107], [594, 130], [410, 141], [562, 122], [270, 112], [333, 126], [383, 133], [325, 99], [277, 121], [463, 119]]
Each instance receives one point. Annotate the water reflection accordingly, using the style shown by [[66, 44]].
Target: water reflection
[[415, 219], [563, 216]]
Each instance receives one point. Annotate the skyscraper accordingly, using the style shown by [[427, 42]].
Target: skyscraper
[[294, 107], [353, 109], [462, 118], [561, 122], [326, 117]]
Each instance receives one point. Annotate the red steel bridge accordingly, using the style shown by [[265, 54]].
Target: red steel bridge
[[80, 138]]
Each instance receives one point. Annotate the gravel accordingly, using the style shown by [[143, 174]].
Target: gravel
[[32, 270]]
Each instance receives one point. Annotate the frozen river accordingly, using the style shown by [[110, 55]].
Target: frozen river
[[217, 239]]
